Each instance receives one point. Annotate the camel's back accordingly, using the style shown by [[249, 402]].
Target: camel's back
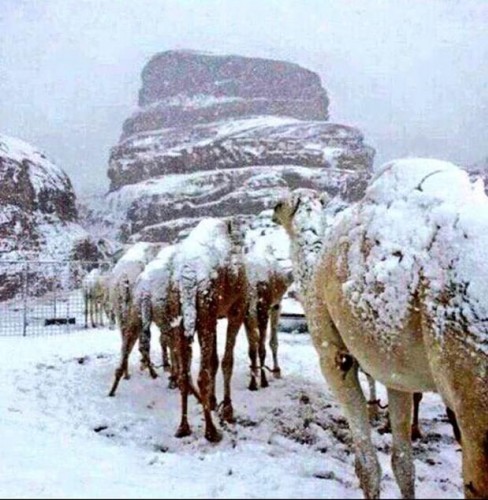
[[417, 242]]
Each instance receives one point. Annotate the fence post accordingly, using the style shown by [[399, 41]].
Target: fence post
[[67, 289], [24, 293]]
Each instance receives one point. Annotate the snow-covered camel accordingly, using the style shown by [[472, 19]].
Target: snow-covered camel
[[93, 288], [210, 274], [157, 300], [401, 289], [121, 283], [269, 277]]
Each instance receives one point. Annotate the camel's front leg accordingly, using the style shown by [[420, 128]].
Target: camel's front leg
[[251, 328], [341, 373], [274, 318], [400, 404], [373, 408]]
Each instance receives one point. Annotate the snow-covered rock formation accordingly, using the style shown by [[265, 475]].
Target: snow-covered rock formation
[[225, 135], [38, 217]]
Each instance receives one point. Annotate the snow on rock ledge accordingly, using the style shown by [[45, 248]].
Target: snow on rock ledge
[[225, 135]]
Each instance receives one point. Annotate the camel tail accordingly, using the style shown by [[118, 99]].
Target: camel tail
[[189, 288], [145, 308]]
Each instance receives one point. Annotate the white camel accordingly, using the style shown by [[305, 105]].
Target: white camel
[[121, 283], [401, 289], [157, 300]]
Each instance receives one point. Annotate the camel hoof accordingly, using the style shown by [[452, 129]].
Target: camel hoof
[[228, 413], [172, 384], [264, 381], [111, 394], [213, 435], [253, 385], [373, 413], [277, 373], [416, 434], [183, 431]]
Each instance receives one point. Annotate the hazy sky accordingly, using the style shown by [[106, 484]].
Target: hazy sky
[[412, 74]]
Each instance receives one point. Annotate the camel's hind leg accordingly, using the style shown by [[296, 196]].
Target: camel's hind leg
[[129, 338], [92, 311], [86, 299], [206, 332], [461, 375], [252, 339], [400, 404], [274, 318], [165, 357], [416, 433], [183, 354], [235, 320], [263, 317]]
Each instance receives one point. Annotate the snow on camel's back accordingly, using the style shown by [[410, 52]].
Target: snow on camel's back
[[211, 277]]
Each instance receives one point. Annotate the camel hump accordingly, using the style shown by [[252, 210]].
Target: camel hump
[[422, 224]]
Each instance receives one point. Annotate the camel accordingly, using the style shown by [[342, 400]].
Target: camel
[[400, 291], [157, 300], [210, 274], [93, 297], [268, 278], [121, 284]]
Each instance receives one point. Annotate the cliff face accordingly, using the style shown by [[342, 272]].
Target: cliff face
[[224, 135], [38, 216]]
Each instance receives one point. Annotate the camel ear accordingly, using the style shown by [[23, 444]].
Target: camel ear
[[297, 200]]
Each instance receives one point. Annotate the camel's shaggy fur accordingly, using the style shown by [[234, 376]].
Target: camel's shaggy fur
[[400, 290], [121, 284], [210, 274]]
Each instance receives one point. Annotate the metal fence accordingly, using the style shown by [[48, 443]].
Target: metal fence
[[43, 297]]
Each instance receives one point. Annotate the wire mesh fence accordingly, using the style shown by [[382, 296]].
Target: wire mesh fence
[[43, 297]]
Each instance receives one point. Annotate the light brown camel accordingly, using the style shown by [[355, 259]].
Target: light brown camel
[[269, 279], [401, 290], [210, 274], [121, 284]]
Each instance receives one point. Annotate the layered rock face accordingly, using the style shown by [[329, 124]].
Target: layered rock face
[[38, 217], [225, 135]]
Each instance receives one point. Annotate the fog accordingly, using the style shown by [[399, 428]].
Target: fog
[[411, 74]]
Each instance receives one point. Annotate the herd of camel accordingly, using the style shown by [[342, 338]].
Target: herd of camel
[[393, 284]]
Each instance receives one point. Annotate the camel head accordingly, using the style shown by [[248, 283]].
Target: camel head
[[300, 204]]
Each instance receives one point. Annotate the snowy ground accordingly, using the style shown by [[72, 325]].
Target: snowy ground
[[63, 437]]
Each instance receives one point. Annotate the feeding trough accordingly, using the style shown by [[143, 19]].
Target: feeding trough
[[59, 321], [293, 323]]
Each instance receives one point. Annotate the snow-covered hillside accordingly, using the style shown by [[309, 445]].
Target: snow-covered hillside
[[38, 216]]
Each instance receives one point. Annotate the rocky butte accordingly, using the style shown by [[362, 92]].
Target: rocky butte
[[225, 135]]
